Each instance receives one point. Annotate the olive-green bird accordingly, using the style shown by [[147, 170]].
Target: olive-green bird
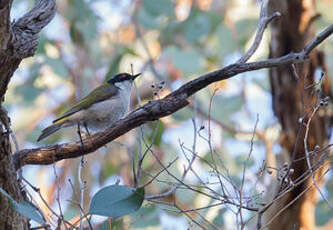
[[102, 107]]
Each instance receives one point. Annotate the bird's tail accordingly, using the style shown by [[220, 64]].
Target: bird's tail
[[49, 130]]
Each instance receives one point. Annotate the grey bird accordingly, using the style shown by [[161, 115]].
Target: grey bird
[[101, 108]]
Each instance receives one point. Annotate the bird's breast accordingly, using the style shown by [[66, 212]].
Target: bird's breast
[[104, 113]]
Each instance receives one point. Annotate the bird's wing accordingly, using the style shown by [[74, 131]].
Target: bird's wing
[[99, 94]]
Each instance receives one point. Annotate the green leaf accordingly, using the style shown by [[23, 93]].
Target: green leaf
[[7, 195], [197, 28], [28, 210], [83, 21], [200, 24], [158, 7], [24, 208], [116, 201]]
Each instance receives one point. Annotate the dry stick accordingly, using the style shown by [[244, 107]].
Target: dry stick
[[244, 172], [209, 141], [308, 156], [186, 186], [190, 217], [157, 174], [292, 201], [297, 182], [37, 190], [173, 189], [211, 166], [58, 193], [159, 108]]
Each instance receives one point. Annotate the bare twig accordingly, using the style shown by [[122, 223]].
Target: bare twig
[[292, 201], [263, 22], [244, 172], [307, 154]]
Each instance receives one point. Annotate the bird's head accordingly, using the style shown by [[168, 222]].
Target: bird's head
[[122, 78]]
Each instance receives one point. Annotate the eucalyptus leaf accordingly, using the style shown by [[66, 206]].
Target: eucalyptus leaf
[[7, 195], [200, 24], [116, 200], [29, 211]]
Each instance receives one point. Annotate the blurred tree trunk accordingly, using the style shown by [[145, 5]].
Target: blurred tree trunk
[[291, 100]]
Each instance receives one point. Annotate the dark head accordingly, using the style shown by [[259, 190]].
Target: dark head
[[120, 77]]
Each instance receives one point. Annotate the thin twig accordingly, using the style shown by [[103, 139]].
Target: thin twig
[[263, 22], [307, 154]]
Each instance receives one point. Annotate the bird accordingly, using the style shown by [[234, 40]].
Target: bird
[[101, 108]]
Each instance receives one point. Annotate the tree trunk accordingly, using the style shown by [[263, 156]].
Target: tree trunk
[[9, 219], [17, 41], [293, 103]]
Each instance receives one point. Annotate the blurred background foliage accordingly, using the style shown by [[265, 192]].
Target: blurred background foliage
[[173, 41]]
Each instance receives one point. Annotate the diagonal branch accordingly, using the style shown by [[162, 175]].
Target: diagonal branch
[[156, 109], [263, 22]]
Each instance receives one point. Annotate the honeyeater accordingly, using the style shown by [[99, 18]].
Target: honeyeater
[[99, 109]]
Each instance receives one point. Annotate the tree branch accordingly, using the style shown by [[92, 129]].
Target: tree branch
[[27, 28], [263, 22], [157, 109]]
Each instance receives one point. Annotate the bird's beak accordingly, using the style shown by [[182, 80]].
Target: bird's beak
[[135, 76]]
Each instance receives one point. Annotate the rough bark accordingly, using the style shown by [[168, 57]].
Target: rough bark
[[18, 40], [292, 100]]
